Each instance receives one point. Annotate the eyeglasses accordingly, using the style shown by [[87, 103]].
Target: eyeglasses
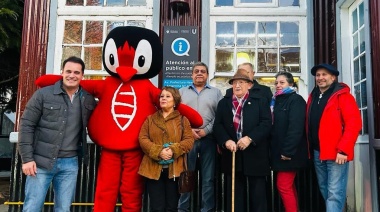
[[235, 82], [197, 71]]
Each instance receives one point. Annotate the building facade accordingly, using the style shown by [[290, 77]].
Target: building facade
[[274, 35]]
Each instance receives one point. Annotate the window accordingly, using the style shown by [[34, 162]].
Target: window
[[257, 3], [105, 2], [358, 61], [82, 28], [270, 46], [273, 37], [85, 38]]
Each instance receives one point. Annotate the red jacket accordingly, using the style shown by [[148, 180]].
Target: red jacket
[[340, 124]]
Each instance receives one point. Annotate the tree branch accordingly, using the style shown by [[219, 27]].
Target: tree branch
[[8, 80]]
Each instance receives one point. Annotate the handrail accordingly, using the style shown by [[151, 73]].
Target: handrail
[[52, 203], [13, 138]]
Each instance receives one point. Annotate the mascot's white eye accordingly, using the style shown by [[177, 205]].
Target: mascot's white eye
[[110, 56], [143, 57]]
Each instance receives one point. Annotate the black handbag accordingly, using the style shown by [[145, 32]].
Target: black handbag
[[186, 181]]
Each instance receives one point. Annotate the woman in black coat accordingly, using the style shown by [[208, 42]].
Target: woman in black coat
[[242, 125], [289, 150]]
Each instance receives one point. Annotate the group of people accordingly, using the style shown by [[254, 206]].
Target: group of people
[[254, 130]]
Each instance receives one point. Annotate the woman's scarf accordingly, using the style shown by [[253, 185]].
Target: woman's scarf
[[286, 90], [237, 109]]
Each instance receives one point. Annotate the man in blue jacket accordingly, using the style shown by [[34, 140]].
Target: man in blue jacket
[[52, 135]]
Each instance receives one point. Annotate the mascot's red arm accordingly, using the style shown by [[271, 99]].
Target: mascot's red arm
[[191, 114], [46, 80], [95, 88]]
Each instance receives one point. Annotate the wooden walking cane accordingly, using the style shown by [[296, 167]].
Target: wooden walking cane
[[233, 183]]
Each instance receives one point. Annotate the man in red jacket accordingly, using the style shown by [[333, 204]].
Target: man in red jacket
[[333, 125]]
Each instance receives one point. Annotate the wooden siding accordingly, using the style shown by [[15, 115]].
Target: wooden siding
[[374, 11], [324, 32]]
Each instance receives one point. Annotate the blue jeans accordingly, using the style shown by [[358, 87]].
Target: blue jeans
[[206, 148], [332, 181], [64, 178]]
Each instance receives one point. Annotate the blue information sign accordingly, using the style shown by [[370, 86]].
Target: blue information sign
[[180, 53]]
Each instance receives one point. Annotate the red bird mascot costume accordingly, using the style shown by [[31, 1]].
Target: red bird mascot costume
[[131, 55]]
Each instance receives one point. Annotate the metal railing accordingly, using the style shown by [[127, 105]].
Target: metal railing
[[308, 193]]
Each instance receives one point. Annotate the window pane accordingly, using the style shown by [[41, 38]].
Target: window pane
[[284, 3], [94, 32], [246, 34], [73, 32], [361, 14], [290, 59], [225, 34], [68, 51], [267, 60], [136, 2], [93, 77], [256, 1], [355, 45], [93, 58], [267, 33], [363, 74], [357, 95], [289, 33], [356, 71], [113, 24], [224, 59], [268, 81], [136, 23], [365, 121], [363, 90], [224, 2], [354, 21], [362, 41], [95, 2], [115, 2], [244, 56], [74, 3]]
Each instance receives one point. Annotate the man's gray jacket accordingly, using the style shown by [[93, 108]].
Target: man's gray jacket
[[43, 124]]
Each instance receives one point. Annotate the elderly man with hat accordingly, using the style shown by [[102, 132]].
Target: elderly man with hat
[[333, 123], [242, 125]]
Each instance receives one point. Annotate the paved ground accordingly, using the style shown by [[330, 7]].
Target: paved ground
[[3, 208], [4, 190]]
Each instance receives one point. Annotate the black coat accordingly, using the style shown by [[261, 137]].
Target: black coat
[[261, 90], [288, 133], [254, 160]]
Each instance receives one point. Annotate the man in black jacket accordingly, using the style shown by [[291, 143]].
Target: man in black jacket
[[52, 135], [261, 90]]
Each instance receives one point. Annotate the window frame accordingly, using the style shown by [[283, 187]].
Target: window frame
[[257, 10], [303, 43], [237, 3], [93, 13], [300, 13], [363, 138]]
